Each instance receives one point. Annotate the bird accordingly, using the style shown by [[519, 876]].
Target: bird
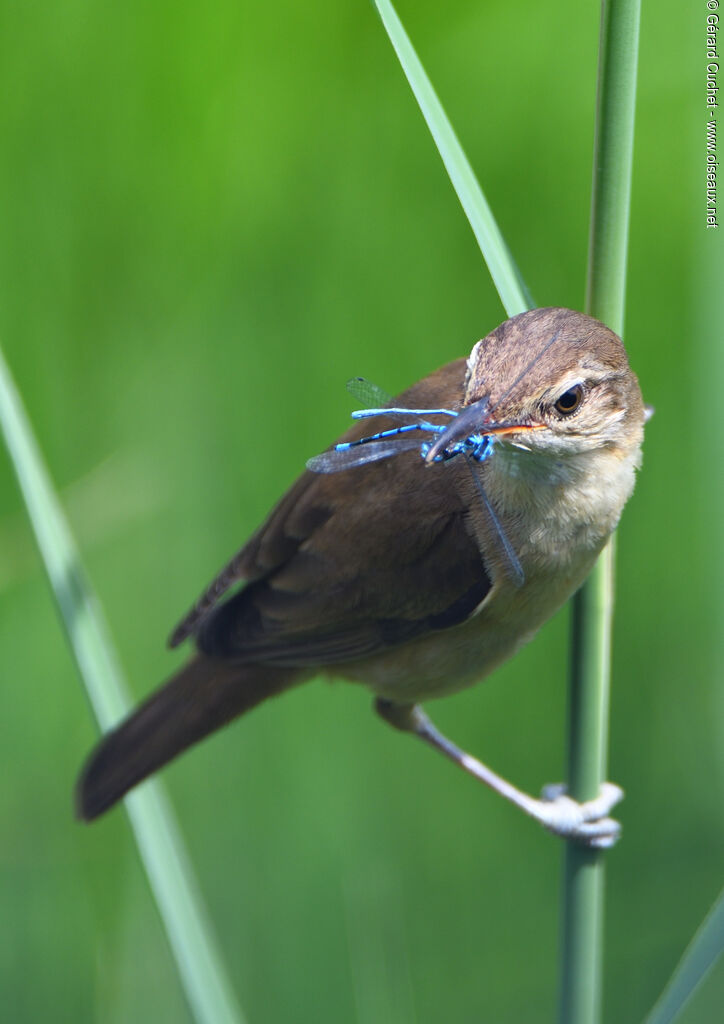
[[419, 573]]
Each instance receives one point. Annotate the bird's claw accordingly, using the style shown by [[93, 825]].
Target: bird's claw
[[585, 823]]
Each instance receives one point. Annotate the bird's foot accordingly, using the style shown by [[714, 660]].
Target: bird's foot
[[586, 823]]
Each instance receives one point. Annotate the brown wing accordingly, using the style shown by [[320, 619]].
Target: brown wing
[[352, 563], [276, 540]]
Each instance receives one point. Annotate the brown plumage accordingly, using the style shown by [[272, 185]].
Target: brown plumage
[[392, 574]]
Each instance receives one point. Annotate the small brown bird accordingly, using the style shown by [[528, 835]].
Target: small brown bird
[[417, 574]]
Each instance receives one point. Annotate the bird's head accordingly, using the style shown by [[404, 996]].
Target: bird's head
[[554, 382]]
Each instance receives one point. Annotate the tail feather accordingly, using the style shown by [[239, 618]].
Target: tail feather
[[206, 694]]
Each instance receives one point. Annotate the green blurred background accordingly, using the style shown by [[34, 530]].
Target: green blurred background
[[212, 216]]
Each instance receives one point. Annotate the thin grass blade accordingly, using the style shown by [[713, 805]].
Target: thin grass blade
[[700, 956], [505, 274], [193, 945]]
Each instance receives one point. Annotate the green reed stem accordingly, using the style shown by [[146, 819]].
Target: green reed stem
[[582, 903]]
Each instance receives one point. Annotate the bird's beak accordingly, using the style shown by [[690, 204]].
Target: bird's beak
[[475, 419]]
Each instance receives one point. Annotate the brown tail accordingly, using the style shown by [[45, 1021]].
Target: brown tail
[[206, 694]]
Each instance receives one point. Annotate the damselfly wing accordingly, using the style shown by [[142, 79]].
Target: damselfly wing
[[360, 453], [368, 394]]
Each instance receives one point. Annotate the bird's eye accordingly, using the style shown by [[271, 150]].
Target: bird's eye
[[569, 401]]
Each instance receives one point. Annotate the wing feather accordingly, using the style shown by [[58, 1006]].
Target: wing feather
[[334, 574]]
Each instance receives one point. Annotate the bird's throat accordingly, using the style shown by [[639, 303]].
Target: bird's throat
[[559, 508]]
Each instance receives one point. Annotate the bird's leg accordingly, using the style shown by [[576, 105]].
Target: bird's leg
[[587, 823]]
